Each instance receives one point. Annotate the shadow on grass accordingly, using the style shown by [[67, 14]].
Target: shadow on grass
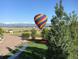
[[12, 51], [33, 53], [42, 41], [29, 53], [4, 57]]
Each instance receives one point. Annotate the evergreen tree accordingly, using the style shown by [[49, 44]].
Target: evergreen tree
[[73, 26], [58, 42], [59, 10], [62, 37]]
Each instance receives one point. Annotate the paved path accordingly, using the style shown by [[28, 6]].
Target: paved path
[[16, 55], [9, 41]]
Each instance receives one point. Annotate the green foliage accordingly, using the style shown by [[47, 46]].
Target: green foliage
[[1, 31], [38, 34], [45, 33], [62, 37], [59, 10], [57, 40], [25, 35], [73, 26], [33, 33]]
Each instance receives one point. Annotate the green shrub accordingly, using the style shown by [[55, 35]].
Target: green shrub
[[45, 33], [33, 33], [38, 34], [25, 35], [26, 30], [1, 31]]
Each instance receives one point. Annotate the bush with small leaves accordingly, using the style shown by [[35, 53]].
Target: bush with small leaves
[[33, 33], [44, 33], [25, 35]]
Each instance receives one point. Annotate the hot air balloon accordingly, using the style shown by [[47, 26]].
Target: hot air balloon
[[40, 20]]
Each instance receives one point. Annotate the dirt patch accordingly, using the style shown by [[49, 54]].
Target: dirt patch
[[9, 41]]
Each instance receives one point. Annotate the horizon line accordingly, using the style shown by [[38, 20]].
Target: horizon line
[[20, 22]]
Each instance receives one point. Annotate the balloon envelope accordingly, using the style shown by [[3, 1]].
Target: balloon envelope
[[40, 20]]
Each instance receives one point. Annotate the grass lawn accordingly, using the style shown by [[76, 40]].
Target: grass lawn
[[34, 51], [38, 45]]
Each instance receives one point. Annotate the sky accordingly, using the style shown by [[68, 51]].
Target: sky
[[23, 11]]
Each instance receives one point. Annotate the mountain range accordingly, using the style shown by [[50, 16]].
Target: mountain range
[[20, 25]]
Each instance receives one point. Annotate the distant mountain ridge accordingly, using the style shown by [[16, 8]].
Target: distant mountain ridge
[[20, 25]]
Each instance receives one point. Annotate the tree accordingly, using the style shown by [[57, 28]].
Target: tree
[[58, 35], [73, 26], [33, 33], [45, 33], [63, 35], [25, 35], [59, 10], [1, 33]]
